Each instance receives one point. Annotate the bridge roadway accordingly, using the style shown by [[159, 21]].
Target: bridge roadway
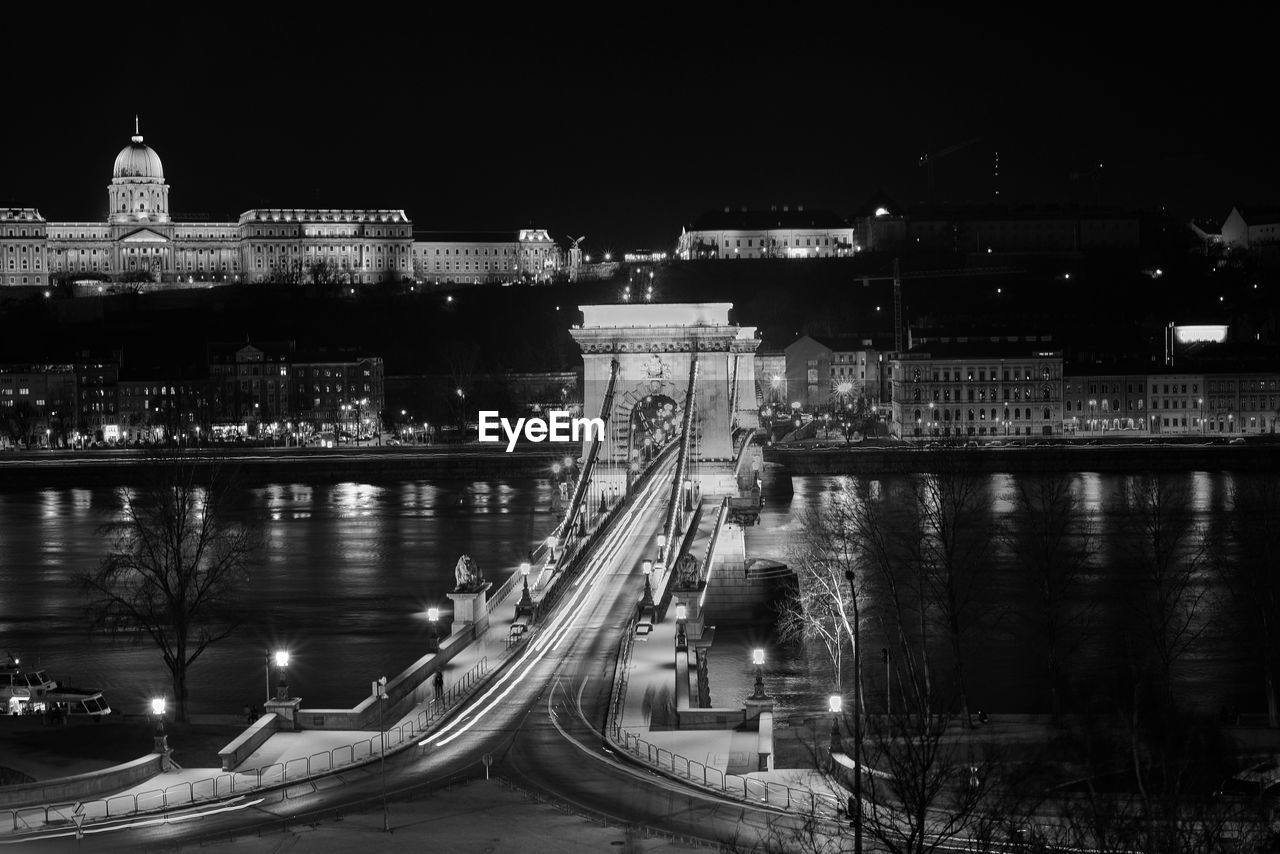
[[541, 720]]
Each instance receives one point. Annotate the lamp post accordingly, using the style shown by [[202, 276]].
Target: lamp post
[[682, 613], [433, 614], [662, 546], [161, 738], [525, 598], [857, 719], [282, 670], [380, 688], [757, 658]]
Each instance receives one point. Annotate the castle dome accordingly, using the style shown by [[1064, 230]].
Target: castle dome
[[137, 160]]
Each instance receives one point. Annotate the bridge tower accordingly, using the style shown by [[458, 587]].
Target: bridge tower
[[654, 345]]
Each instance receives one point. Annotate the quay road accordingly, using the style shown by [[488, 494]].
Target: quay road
[[540, 720], [73, 467]]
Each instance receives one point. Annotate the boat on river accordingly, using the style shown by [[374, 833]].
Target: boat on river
[[29, 691]]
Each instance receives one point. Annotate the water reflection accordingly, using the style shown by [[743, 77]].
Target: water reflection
[[344, 579], [1005, 661]]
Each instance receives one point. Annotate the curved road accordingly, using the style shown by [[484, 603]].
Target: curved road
[[540, 720]]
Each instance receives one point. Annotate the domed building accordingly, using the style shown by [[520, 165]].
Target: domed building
[[138, 192], [141, 240]]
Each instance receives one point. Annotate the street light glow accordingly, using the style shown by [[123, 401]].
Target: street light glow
[[157, 706], [757, 657], [282, 658], [433, 614], [834, 703], [681, 612]]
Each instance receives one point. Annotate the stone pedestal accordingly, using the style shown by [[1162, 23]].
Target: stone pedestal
[[471, 607], [286, 711]]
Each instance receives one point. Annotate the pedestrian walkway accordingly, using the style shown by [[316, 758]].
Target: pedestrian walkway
[[648, 712]]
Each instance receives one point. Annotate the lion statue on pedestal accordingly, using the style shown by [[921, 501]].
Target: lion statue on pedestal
[[688, 573], [467, 574]]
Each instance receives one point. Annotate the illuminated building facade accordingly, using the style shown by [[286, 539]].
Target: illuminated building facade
[[977, 388], [141, 239], [1105, 403], [786, 233], [483, 257], [834, 373]]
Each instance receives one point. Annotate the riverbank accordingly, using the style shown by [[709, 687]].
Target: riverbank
[[261, 465], [1059, 457]]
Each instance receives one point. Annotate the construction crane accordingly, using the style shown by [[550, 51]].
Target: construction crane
[[926, 159], [898, 276]]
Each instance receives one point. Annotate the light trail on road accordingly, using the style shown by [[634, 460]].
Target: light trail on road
[[561, 625]]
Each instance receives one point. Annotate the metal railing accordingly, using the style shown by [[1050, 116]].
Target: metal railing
[[686, 430], [737, 786], [232, 783], [582, 490], [751, 789]]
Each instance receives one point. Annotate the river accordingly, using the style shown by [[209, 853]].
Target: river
[[349, 570]]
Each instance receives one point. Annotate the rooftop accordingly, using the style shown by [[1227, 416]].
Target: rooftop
[[761, 220]]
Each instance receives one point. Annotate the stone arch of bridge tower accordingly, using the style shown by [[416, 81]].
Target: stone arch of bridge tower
[[625, 405]]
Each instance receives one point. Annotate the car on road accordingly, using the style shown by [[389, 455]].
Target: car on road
[[1239, 440]]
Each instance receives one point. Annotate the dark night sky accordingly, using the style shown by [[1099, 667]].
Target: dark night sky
[[623, 135]]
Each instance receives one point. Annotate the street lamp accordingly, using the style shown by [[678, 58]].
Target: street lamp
[[646, 566], [433, 641], [551, 547], [757, 658], [380, 688], [662, 546], [526, 600], [682, 613], [282, 668], [161, 739]]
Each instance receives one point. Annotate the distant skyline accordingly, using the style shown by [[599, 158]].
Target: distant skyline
[[627, 136]]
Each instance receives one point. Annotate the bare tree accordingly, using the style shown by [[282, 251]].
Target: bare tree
[[954, 536], [1168, 551], [824, 608], [886, 540], [1250, 574], [176, 566], [933, 787], [1166, 802], [1052, 536]]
